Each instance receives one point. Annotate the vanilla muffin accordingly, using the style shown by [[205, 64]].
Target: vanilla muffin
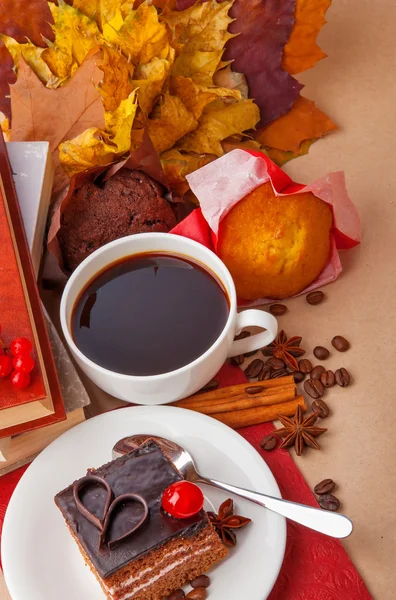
[[275, 246]]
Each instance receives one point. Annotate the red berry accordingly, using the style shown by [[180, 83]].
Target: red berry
[[20, 346], [20, 380], [23, 363], [182, 499], [5, 365]]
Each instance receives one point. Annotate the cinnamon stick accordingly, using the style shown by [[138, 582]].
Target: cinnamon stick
[[262, 414]]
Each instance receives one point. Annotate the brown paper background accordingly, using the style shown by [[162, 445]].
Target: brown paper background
[[356, 86]]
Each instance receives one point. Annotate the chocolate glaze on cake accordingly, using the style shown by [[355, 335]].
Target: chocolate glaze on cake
[[147, 472], [127, 203]]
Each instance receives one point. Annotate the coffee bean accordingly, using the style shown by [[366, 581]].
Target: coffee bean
[[275, 363], [247, 354], [315, 297], [314, 388], [329, 502], [317, 372], [253, 370], [241, 336], [340, 343], [321, 353], [254, 389], [298, 376], [176, 595], [326, 486], [237, 360], [201, 581], [277, 309], [269, 442], [342, 377], [265, 373], [305, 365], [199, 593], [279, 373], [213, 384], [320, 407], [328, 379]]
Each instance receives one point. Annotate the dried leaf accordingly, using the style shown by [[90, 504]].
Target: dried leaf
[[199, 35], [176, 165], [218, 122], [233, 81], [96, 147], [303, 122], [117, 75], [149, 81], [7, 77], [75, 36], [141, 36], [22, 19], [264, 29], [301, 52], [31, 55], [196, 97], [243, 143], [171, 121], [102, 11], [280, 157]]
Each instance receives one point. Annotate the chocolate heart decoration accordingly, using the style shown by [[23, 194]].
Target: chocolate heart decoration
[[79, 485], [110, 513]]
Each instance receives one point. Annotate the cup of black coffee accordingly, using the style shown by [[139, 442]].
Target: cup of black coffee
[[151, 318]]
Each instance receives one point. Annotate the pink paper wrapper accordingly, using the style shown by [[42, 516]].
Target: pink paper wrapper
[[224, 182]]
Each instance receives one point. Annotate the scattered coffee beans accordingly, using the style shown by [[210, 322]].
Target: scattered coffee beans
[[237, 360], [299, 376], [201, 581], [213, 384], [254, 389], [326, 486], [340, 343], [342, 377], [314, 388], [277, 309], [265, 373], [254, 369], [198, 593], [241, 336], [321, 353], [317, 372], [176, 595], [275, 363], [320, 407], [269, 442], [328, 379], [305, 365], [329, 502], [279, 373], [315, 297]]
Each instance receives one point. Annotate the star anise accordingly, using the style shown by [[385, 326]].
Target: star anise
[[286, 349], [300, 431], [225, 522]]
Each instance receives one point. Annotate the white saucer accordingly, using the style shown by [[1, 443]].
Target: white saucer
[[40, 559]]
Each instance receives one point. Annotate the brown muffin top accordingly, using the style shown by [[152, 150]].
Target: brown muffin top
[[129, 202]]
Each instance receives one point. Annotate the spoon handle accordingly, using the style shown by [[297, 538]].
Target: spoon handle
[[330, 523]]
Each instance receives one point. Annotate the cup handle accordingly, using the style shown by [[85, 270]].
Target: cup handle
[[257, 318]]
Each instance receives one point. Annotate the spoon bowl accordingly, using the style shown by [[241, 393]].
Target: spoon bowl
[[329, 523]]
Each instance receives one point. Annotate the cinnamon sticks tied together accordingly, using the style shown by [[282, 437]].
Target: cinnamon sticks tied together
[[247, 404]]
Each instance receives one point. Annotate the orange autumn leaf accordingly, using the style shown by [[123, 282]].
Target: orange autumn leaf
[[301, 51], [117, 74], [171, 121], [303, 122], [196, 97], [280, 157]]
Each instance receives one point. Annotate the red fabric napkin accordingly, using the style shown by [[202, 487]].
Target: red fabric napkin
[[315, 566]]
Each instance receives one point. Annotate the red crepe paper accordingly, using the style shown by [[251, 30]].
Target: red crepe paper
[[222, 183], [315, 566]]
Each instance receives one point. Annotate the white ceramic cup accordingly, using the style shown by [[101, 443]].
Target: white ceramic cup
[[165, 387]]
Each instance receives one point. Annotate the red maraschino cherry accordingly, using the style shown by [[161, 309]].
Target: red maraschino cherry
[[182, 499]]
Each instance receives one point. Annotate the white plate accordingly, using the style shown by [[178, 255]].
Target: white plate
[[41, 560]]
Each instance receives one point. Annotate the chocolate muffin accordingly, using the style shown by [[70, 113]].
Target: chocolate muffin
[[127, 203]]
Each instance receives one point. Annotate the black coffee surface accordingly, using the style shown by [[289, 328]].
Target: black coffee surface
[[149, 314]]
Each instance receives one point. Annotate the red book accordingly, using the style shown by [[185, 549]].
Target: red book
[[21, 315]]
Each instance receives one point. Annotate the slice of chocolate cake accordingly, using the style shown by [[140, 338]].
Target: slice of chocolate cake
[[135, 549]]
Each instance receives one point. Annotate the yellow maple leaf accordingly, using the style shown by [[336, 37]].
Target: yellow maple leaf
[[75, 36], [149, 80], [196, 97], [96, 147], [220, 121], [176, 165], [171, 121], [117, 76], [199, 35], [102, 11], [31, 55], [141, 36]]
